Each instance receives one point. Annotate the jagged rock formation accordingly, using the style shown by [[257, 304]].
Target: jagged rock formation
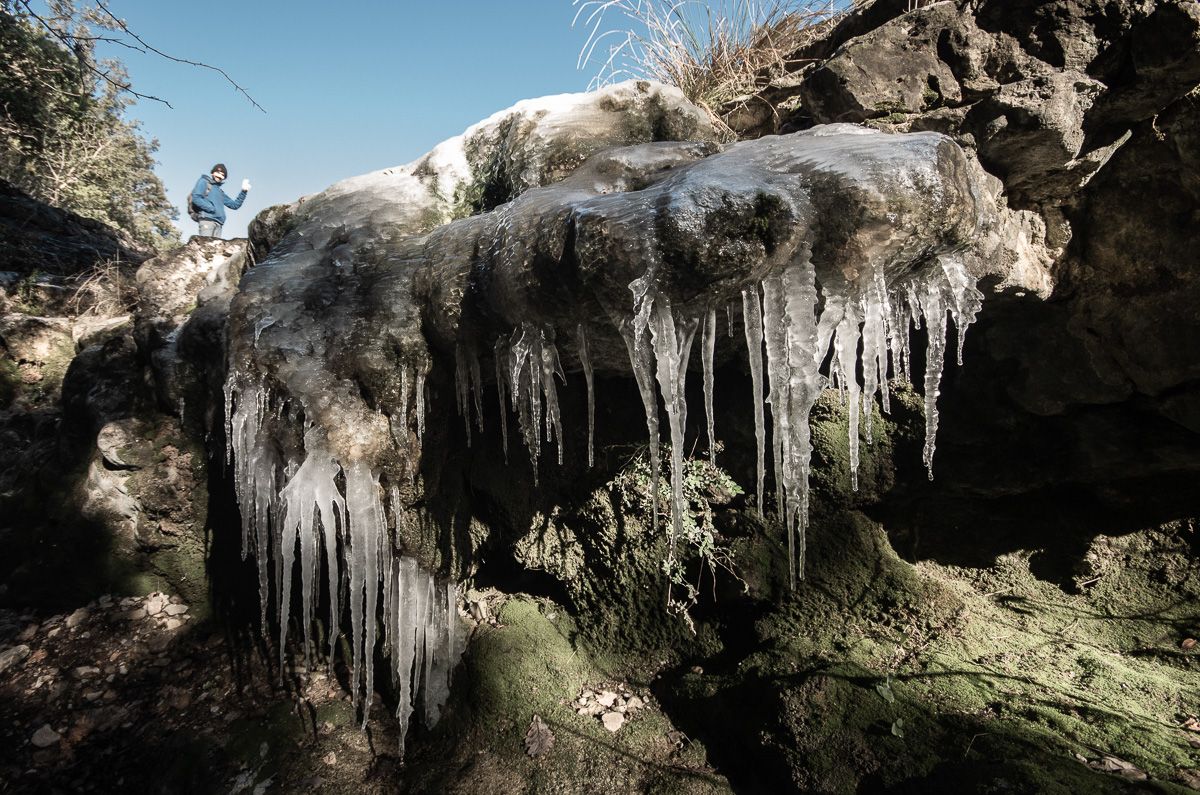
[[445, 375], [1085, 112], [37, 237], [852, 234], [375, 304], [103, 460]]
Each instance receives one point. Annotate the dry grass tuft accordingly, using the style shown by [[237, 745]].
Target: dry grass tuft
[[106, 290], [718, 54]]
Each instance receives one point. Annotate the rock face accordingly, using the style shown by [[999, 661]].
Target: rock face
[[1085, 113], [102, 455], [375, 306], [1029, 168], [35, 236]]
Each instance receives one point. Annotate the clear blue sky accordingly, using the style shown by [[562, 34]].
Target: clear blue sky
[[348, 88]]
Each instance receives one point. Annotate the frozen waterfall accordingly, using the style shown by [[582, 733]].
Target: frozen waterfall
[[836, 242], [290, 505]]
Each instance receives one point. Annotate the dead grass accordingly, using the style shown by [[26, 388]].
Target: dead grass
[[106, 290], [719, 54]]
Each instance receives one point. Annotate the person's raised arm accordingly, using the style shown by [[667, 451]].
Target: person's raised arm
[[233, 204]]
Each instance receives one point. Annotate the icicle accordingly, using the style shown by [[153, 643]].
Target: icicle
[[794, 355], [708, 345], [310, 495], [729, 318], [949, 289], [256, 467], [533, 363], [585, 360], [365, 512], [476, 386], [935, 352], [525, 374], [407, 641], [752, 317], [964, 299], [636, 334], [774, 329], [428, 641], [874, 343], [462, 389], [500, 353], [806, 350], [845, 343], [551, 366], [419, 389], [672, 343]]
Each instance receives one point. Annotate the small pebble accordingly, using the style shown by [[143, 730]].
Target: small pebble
[[45, 737], [612, 721]]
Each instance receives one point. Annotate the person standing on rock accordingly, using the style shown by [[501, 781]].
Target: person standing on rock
[[208, 202]]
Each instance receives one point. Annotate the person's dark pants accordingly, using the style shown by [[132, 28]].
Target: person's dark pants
[[210, 229]]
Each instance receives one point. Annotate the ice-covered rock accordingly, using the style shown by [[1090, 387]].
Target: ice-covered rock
[[834, 241]]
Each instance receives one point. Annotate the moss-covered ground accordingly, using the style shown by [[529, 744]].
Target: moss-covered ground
[[529, 664]]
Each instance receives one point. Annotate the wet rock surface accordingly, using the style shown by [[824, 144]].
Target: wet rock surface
[[1022, 623], [1085, 113]]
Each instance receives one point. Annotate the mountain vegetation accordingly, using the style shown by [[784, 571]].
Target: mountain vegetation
[[66, 136]]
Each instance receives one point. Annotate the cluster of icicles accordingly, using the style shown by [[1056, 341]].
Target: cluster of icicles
[[792, 326], [287, 506]]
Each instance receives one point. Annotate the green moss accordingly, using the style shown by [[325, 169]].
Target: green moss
[[930, 98], [10, 382], [530, 665], [993, 667]]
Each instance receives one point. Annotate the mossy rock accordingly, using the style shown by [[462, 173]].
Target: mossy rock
[[529, 665], [880, 675]]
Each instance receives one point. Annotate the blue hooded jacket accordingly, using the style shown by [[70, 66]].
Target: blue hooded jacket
[[212, 207]]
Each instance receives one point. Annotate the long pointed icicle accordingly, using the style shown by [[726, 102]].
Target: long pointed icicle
[[672, 341], [635, 334], [752, 317], [476, 385], [774, 331], [311, 496], [533, 363], [708, 347], [585, 359], [805, 383], [845, 343], [551, 366], [500, 352], [462, 389]]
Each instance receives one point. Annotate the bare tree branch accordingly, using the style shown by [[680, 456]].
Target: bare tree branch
[[70, 41], [121, 24]]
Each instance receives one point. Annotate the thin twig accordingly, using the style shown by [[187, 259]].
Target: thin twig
[[121, 24], [69, 41]]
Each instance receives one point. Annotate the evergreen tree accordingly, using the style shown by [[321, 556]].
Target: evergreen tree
[[65, 136]]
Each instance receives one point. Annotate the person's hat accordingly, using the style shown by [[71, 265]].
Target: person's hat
[[219, 167]]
